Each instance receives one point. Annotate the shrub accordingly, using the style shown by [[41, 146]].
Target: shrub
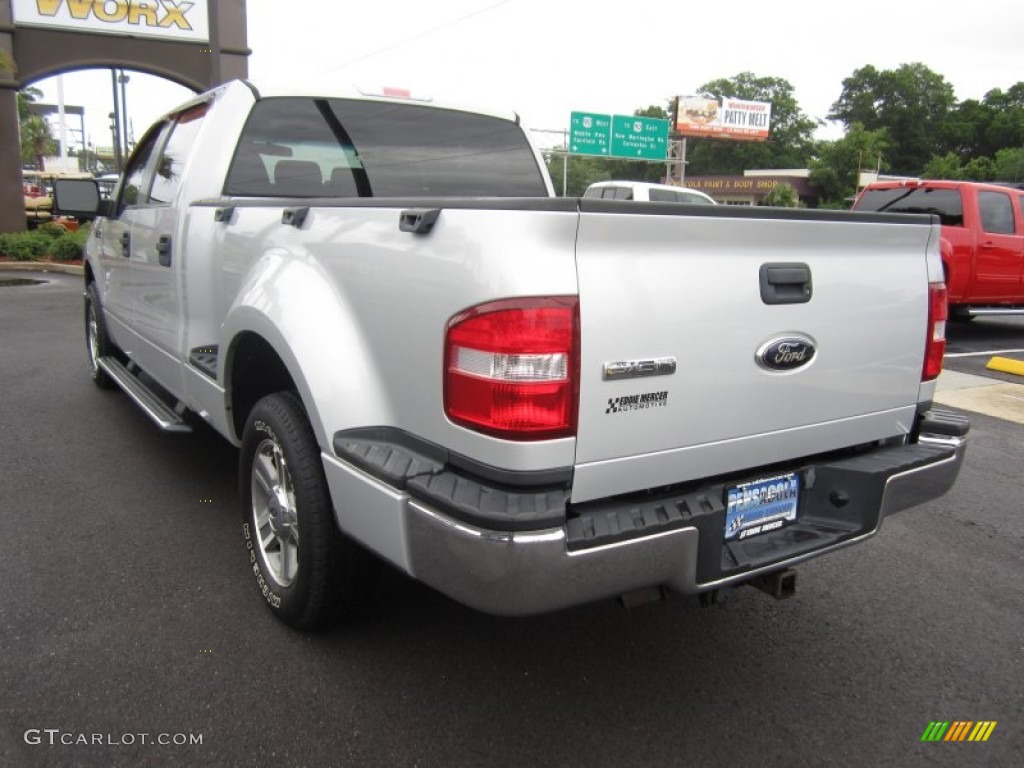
[[24, 246], [65, 248], [52, 230]]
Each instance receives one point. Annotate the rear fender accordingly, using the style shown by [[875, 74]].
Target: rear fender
[[292, 305]]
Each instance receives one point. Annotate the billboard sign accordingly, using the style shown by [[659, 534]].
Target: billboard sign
[[167, 19], [728, 119]]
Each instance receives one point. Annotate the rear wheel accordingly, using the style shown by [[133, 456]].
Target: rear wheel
[[960, 314], [97, 342], [306, 571]]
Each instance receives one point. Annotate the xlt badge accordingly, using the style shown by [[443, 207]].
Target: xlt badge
[[635, 369]]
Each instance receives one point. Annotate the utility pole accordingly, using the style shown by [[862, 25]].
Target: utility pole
[[676, 165], [122, 79], [115, 122], [564, 133]]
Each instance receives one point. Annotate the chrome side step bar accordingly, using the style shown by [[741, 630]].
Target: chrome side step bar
[[986, 311], [162, 414]]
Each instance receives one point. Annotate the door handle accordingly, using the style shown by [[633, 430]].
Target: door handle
[[163, 250], [126, 244], [988, 246]]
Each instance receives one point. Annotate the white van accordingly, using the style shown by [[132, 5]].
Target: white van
[[645, 191]]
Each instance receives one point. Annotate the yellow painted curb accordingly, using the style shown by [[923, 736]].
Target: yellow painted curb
[[1006, 365]]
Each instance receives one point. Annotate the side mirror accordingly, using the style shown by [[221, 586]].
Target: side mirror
[[79, 198]]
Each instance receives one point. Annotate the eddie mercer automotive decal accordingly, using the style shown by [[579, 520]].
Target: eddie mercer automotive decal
[[637, 402]]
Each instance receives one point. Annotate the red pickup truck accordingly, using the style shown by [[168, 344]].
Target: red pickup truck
[[982, 238]]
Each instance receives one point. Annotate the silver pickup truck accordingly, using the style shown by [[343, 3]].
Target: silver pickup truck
[[523, 401]]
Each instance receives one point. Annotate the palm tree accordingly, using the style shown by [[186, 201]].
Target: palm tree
[[36, 141]]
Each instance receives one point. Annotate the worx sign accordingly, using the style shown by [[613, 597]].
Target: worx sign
[[195, 43], [185, 20]]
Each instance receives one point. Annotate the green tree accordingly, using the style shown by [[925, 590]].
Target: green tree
[[789, 145], [1006, 127], [36, 141], [979, 169], [25, 97], [911, 102], [965, 130], [980, 129], [947, 166], [836, 167], [36, 138], [783, 196], [1009, 164]]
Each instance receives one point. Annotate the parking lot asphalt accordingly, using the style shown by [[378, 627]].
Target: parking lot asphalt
[[127, 615]]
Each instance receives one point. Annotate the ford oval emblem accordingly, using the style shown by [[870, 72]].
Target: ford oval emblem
[[786, 353]]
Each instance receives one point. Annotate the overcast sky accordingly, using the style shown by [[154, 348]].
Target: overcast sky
[[545, 59]]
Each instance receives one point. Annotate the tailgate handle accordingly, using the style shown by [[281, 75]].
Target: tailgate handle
[[419, 221], [126, 244], [786, 283]]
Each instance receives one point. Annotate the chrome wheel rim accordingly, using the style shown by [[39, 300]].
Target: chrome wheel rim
[[92, 338], [274, 512]]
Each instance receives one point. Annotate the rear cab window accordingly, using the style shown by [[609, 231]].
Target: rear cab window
[[944, 203], [304, 147]]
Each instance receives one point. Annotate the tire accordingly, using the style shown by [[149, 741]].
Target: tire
[[306, 570], [97, 341], [960, 314]]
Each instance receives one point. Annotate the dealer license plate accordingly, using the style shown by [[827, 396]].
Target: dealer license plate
[[761, 506]]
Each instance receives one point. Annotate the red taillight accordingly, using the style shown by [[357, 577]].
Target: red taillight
[[935, 349], [511, 368]]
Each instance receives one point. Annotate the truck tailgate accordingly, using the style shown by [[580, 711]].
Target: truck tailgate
[[663, 285]]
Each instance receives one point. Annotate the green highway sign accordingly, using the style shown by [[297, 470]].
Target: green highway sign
[[590, 134], [627, 136], [639, 138]]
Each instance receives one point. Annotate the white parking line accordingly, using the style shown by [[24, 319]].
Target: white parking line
[[983, 354]]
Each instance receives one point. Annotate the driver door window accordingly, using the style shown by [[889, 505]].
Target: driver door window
[[138, 173]]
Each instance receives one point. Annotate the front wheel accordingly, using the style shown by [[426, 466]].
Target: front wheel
[[97, 342], [306, 571]]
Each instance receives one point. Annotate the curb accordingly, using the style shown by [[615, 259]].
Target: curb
[[42, 266]]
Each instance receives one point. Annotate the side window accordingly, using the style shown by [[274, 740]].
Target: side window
[[623, 193], [136, 174], [167, 177], [996, 212], [689, 197], [663, 195]]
